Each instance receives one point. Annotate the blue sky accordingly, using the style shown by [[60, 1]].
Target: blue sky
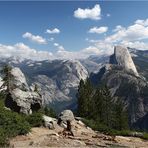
[[82, 31]]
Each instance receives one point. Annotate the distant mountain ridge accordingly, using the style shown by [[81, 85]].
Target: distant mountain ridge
[[59, 79]]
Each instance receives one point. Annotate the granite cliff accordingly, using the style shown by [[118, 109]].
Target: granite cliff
[[123, 80]]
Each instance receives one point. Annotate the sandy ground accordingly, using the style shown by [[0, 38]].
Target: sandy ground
[[83, 137]]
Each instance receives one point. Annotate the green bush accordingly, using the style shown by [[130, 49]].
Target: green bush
[[35, 119], [11, 124], [96, 125], [145, 136], [49, 112], [3, 138]]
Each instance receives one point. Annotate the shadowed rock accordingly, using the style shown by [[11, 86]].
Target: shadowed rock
[[21, 98]]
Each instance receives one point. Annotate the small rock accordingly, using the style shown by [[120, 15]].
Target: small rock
[[78, 143]]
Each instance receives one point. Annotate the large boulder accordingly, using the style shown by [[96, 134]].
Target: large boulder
[[65, 117], [20, 97], [19, 80], [49, 122]]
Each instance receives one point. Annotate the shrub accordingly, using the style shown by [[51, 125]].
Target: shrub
[[35, 119], [96, 125], [49, 112], [11, 124], [145, 136], [3, 138]]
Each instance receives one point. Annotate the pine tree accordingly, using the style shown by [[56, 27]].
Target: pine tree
[[88, 97], [81, 98], [120, 116], [7, 77], [103, 106], [84, 98], [36, 89], [107, 106], [99, 105]]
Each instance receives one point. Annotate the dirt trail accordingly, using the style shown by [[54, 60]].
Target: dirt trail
[[84, 137]]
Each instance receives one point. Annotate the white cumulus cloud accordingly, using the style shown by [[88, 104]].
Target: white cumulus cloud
[[98, 30], [137, 44], [34, 38], [136, 32], [59, 47], [56, 44], [89, 13], [133, 36], [53, 31], [23, 51]]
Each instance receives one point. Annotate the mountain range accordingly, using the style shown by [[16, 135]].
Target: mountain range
[[125, 72]]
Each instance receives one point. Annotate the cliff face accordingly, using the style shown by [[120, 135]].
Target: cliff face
[[21, 98], [123, 58], [122, 78], [58, 80]]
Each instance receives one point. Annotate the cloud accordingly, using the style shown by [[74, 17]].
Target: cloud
[[82, 54], [53, 31], [131, 36], [137, 31], [91, 50], [37, 39], [56, 44], [51, 39], [108, 15], [142, 22], [60, 47], [23, 51], [98, 30], [137, 44], [93, 14], [118, 28]]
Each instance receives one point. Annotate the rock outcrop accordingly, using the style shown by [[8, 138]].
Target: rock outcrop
[[65, 120], [123, 58], [66, 115], [58, 80], [49, 122], [20, 97]]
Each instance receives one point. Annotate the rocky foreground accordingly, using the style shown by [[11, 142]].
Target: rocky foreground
[[83, 137]]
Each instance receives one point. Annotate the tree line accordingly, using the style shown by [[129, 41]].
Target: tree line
[[98, 105]]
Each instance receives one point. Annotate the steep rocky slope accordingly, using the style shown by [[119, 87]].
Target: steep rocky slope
[[57, 79], [94, 63], [122, 57], [20, 98], [124, 81], [140, 58]]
